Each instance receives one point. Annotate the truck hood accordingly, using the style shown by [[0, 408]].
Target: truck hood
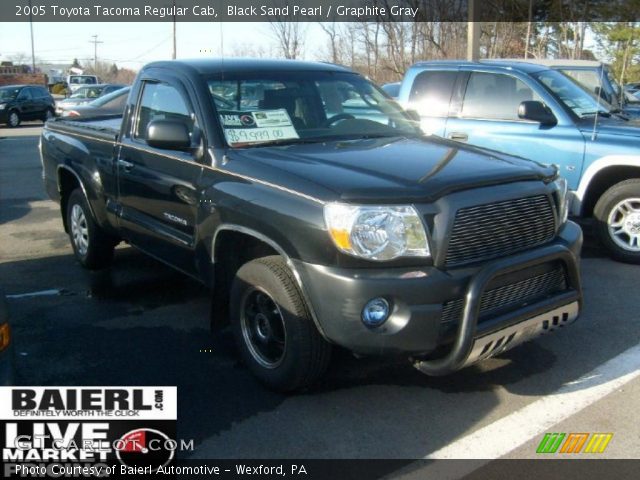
[[384, 169], [611, 126]]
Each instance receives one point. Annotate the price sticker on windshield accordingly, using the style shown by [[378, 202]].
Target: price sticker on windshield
[[264, 134], [256, 127]]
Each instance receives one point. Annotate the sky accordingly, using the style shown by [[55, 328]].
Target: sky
[[131, 45]]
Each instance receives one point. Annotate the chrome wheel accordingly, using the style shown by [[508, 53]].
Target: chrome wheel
[[79, 230], [263, 328], [14, 119], [624, 224]]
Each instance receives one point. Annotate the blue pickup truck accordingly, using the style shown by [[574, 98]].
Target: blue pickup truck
[[538, 113]]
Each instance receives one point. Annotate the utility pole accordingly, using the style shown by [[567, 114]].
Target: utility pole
[[173, 53], [33, 49], [95, 42], [528, 40], [473, 31]]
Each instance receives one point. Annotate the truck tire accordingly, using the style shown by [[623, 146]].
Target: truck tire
[[274, 332], [92, 247], [13, 120], [617, 215]]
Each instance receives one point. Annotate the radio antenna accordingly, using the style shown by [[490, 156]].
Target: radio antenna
[[222, 51]]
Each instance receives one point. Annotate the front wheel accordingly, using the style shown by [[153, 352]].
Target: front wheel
[[92, 247], [14, 119], [617, 215], [273, 329]]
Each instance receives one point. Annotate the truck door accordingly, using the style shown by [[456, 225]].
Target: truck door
[[157, 187], [488, 117]]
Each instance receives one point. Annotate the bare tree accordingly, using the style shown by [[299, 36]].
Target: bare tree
[[249, 50], [290, 37], [331, 29], [20, 58]]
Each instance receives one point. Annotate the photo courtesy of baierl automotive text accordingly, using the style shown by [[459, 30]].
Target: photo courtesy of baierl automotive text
[[364, 239]]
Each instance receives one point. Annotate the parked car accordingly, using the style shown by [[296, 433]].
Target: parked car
[[538, 113], [86, 94], [391, 89], [314, 227], [111, 104], [25, 102], [6, 350], [76, 81], [597, 78]]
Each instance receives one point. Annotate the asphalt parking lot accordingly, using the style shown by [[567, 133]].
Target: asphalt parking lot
[[141, 323]]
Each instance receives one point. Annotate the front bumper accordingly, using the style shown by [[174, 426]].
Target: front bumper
[[417, 295]]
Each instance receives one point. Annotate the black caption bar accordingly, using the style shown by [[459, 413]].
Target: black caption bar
[[318, 10], [531, 469]]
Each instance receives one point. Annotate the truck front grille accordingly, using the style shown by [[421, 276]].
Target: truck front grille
[[513, 296], [496, 229]]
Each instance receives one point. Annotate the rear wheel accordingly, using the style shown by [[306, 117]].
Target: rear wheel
[[273, 329], [91, 245], [618, 220], [14, 119]]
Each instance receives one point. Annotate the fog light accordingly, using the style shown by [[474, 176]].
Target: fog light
[[375, 312]]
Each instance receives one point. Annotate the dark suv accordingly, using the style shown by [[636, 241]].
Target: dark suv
[[25, 102]]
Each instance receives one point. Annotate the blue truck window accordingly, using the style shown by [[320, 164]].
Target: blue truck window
[[495, 96], [431, 93]]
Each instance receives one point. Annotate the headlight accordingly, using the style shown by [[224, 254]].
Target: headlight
[[377, 233], [563, 199], [3, 106]]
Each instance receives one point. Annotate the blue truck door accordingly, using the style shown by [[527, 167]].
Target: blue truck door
[[430, 95], [488, 117]]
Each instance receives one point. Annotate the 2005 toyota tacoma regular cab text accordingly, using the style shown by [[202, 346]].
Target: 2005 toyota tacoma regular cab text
[[320, 215]]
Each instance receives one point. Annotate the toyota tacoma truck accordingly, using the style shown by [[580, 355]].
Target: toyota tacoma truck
[[320, 215]]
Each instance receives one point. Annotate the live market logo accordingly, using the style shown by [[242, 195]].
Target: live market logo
[[98, 429]]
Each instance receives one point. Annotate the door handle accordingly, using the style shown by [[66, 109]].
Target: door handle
[[126, 166], [458, 136]]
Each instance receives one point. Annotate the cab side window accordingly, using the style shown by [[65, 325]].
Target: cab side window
[[39, 92], [431, 93], [161, 102], [495, 96]]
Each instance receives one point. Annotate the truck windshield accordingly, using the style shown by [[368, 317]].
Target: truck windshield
[[571, 94], [304, 107], [8, 93]]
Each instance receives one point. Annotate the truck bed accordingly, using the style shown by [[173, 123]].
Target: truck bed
[[105, 128]]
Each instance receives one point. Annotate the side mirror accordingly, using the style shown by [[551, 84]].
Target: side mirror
[[168, 135], [537, 112]]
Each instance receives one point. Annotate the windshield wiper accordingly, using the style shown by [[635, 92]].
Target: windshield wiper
[[369, 136], [599, 113], [287, 141]]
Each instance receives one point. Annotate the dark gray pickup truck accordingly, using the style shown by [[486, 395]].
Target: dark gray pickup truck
[[319, 215]]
